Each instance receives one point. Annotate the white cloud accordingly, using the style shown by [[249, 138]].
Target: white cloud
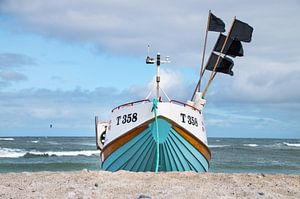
[[35, 109], [267, 72], [169, 80]]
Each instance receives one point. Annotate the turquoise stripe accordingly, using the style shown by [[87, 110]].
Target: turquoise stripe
[[139, 154], [189, 152], [128, 150], [164, 130]]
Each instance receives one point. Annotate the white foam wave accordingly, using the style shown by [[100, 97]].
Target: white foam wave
[[88, 144], [17, 153], [217, 146], [251, 145], [53, 143], [292, 144], [35, 141], [11, 153], [7, 139]]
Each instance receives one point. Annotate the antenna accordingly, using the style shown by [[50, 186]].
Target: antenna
[[149, 60], [158, 61]]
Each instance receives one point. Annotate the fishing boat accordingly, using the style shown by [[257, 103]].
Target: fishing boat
[[160, 134], [155, 135]]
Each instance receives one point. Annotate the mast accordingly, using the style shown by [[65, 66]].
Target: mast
[[158, 61], [198, 86], [204, 49], [157, 74]]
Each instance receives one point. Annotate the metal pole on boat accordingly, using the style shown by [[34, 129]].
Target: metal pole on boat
[[150, 60], [204, 49], [157, 75]]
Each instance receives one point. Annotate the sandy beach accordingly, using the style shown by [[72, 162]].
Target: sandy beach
[[122, 184]]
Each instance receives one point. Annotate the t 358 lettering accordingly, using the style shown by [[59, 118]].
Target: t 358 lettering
[[188, 119], [127, 118]]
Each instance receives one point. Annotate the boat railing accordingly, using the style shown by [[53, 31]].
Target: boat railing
[[184, 104], [130, 104]]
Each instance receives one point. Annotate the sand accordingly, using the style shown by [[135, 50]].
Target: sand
[[122, 184]]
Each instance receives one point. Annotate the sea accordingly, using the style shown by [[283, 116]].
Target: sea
[[229, 155]]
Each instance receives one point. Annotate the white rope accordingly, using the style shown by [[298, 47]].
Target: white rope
[[165, 94], [148, 95], [162, 91]]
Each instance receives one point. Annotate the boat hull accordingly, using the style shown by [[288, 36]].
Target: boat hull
[[137, 150], [160, 136]]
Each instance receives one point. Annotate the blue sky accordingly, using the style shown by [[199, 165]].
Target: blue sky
[[64, 62]]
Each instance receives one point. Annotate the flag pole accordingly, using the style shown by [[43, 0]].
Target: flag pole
[[203, 56], [204, 49], [198, 85], [212, 75]]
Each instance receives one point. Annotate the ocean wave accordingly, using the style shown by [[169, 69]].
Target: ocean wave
[[17, 153], [88, 143], [217, 146], [31, 155], [7, 139], [251, 145], [66, 153], [11, 153], [35, 141], [53, 143], [292, 144]]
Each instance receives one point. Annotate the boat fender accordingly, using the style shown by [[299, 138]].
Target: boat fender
[[191, 103], [100, 128], [199, 102]]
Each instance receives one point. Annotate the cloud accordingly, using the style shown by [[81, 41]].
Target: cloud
[[9, 64], [32, 110], [170, 82], [12, 76], [67, 110], [268, 75], [256, 120], [115, 26], [258, 82], [13, 60], [268, 72], [3, 84]]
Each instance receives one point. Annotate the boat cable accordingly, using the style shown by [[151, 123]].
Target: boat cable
[[155, 102], [149, 95], [165, 94]]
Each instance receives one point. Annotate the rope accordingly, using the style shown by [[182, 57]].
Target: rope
[[165, 94], [155, 102]]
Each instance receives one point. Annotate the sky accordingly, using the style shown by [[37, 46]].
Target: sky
[[63, 62]]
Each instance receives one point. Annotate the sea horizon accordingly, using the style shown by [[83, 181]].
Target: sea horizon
[[88, 136]]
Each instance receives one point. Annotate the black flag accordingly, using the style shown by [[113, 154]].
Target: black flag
[[232, 48], [216, 24], [224, 66], [241, 31]]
